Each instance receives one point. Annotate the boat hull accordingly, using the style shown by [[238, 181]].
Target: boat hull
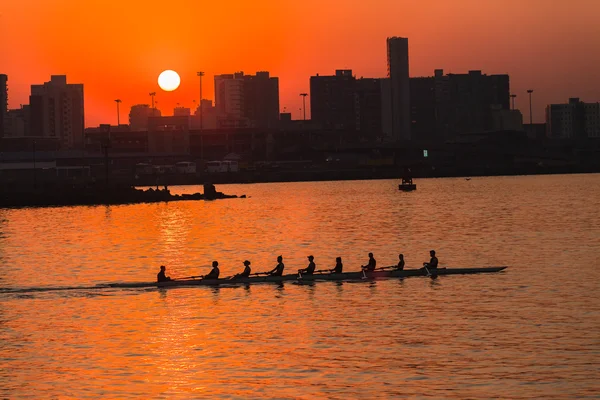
[[407, 187], [346, 276]]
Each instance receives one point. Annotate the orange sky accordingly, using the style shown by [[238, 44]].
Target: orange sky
[[117, 48]]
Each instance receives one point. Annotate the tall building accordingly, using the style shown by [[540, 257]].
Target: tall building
[[465, 102], [57, 111], [229, 95], [138, 116], [261, 99], [3, 102], [573, 120], [398, 73], [254, 98], [369, 108], [16, 122], [423, 114], [333, 100]]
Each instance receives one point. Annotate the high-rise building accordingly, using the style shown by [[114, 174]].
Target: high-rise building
[[3, 102], [423, 115], [57, 111], [333, 100], [229, 95], [261, 99], [138, 116], [248, 97], [465, 103], [369, 108], [398, 73], [16, 122], [573, 120]]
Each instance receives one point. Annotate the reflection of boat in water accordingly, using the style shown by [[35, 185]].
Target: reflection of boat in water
[[330, 277]]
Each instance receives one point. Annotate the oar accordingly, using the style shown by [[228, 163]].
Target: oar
[[364, 273], [187, 277], [426, 269], [323, 271]]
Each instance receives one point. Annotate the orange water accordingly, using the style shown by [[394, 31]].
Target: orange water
[[530, 332]]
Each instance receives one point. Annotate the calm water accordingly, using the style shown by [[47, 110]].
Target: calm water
[[530, 332]]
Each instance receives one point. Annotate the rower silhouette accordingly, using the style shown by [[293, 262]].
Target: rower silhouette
[[311, 267], [246, 272], [161, 276], [214, 273], [400, 265], [278, 270], [371, 264], [338, 266], [433, 262]]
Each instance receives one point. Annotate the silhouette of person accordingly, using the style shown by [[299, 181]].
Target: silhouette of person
[[278, 270], [371, 264], [246, 272], [338, 266], [161, 276], [311, 267], [433, 262], [400, 265], [214, 273]]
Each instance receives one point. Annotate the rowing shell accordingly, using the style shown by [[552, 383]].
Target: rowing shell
[[331, 277]]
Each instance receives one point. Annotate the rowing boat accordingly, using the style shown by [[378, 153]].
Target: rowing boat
[[346, 276]]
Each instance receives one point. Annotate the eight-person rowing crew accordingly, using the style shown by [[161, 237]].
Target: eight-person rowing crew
[[309, 270]]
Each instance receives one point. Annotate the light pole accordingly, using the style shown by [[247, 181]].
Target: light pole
[[118, 101], [512, 98], [304, 103], [152, 97], [530, 109], [200, 74]]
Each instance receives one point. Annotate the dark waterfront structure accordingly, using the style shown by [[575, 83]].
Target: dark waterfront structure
[[332, 100], [444, 106], [423, 112], [573, 120], [464, 102], [398, 73], [261, 99], [57, 111], [247, 100], [368, 102]]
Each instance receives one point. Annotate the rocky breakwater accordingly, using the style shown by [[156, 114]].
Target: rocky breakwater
[[101, 195]]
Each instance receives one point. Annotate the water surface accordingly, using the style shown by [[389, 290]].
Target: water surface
[[530, 332]]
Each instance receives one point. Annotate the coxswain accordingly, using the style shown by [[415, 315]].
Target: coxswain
[[400, 265], [338, 266], [371, 264], [246, 272], [214, 273], [161, 277], [311, 267], [433, 262], [278, 270]]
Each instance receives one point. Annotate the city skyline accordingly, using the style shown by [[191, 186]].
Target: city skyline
[[541, 48]]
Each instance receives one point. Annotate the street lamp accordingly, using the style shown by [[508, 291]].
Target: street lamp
[[152, 97], [200, 74], [512, 98], [304, 103], [530, 109], [118, 101]]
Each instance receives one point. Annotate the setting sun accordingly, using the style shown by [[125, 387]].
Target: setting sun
[[169, 80]]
